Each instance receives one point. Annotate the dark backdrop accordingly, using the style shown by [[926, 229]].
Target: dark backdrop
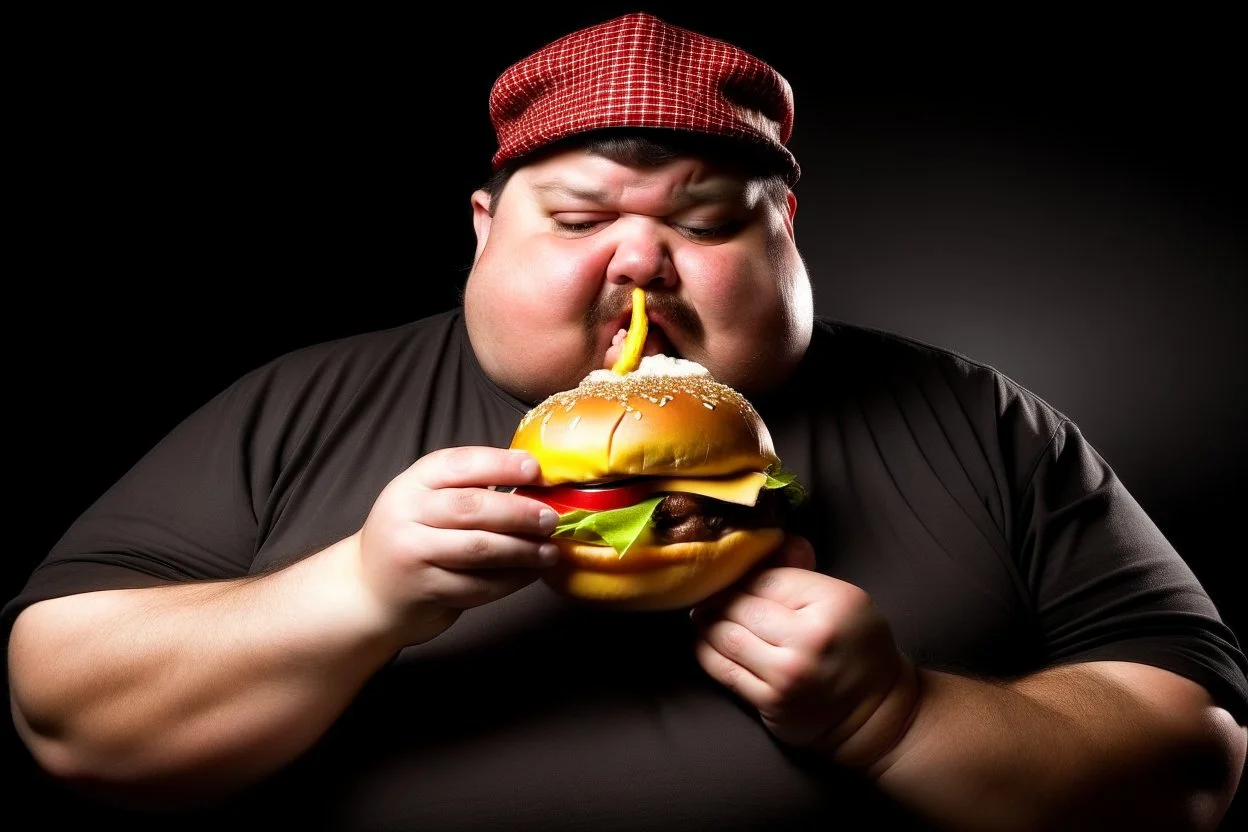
[[1062, 198]]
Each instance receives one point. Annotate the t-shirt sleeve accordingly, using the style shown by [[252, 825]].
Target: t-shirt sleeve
[[187, 510], [279, 464], [1107, 583]]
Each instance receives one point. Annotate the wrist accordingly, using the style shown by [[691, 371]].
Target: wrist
[[869, 749], [379, 609]]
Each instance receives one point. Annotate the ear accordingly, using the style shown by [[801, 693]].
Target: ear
[[481, 220]]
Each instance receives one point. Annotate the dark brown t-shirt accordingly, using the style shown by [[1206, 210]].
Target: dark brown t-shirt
[[988, 531]]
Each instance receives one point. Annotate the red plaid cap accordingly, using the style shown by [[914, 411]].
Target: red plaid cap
[[638, 71]]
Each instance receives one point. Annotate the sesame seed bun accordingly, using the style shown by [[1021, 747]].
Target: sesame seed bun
[[644, 425]]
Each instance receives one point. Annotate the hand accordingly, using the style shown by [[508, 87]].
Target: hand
[[438, 541], [813, 655]]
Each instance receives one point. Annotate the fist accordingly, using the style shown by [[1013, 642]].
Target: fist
[[813, 655]]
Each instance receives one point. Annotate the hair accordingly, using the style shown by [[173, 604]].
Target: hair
[[650, 147]]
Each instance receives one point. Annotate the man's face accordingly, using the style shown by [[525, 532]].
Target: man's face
[[572, 235]]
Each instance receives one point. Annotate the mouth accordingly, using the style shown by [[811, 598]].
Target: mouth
[[657, 343], [669, 323]]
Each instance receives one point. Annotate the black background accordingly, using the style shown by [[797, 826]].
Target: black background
[[1061, 197]]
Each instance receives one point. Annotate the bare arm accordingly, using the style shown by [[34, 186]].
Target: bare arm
[[1106, 745], [160, 691], [180, 694]]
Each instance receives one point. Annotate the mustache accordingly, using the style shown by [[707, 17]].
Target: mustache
[[676, 314]]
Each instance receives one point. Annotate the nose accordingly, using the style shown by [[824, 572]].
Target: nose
[[642, 256]]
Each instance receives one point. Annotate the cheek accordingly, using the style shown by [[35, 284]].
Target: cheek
[[537, 279], [726, 283]]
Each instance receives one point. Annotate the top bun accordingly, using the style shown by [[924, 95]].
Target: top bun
[[643, 423]]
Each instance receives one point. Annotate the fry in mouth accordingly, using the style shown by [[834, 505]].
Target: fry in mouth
[[635, 341]]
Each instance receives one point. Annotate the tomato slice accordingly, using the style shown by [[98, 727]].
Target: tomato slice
[[561, 508], [565, 498]]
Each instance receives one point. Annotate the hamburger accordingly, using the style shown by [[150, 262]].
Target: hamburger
[[666, 482]]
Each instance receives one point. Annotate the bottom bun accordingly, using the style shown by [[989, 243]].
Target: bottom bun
[[658, 577]]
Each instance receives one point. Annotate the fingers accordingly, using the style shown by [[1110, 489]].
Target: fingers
[[761, 650], [480, 508], [764, 603], [472, 466], [717, 659], [476, 528], [769, 621], [448, 491], [798, 588], [459, 549]]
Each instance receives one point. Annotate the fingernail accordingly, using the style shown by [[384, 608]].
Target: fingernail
[[528, 465], [546, 520], [548, 553]]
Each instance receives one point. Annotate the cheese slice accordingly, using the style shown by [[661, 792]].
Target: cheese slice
[[742, 488]]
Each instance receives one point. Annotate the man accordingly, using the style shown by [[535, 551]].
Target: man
[[310, 597]]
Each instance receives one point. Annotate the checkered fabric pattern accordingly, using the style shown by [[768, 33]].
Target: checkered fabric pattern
[[638, 71]]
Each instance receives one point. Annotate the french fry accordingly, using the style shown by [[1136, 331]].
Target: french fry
[[635, 340]]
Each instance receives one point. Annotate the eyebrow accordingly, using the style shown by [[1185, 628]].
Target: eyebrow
[[700, 193]]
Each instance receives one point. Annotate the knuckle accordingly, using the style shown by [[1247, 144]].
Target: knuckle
[[754, 613], [733, 640], [795, 671], [823, 633], [466, 502], [479, 544], [459, 460]]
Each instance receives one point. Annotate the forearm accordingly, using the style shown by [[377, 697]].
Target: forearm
[[1071, 748], [192, 690]]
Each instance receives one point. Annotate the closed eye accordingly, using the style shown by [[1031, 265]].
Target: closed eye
[[575, 227], [693, 232], [714, 232]]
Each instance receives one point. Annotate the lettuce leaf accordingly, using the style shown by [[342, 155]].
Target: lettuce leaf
[[793, 490], [619, 528], [623, 528]]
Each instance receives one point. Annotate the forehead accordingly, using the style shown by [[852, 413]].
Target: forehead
[[578, 175]]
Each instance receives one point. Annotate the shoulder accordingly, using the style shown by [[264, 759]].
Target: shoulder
[[415, 336], [873, 352], [329, 376], [877, 348], [427, 340], [872, 361]]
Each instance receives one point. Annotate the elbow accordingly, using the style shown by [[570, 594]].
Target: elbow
[[80, 767], [61, 760], [111, 776], [40, 717], [42, 713], [1215, 767], [1194, 787], [1198, 780], [73, 734], [1184, 781]]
